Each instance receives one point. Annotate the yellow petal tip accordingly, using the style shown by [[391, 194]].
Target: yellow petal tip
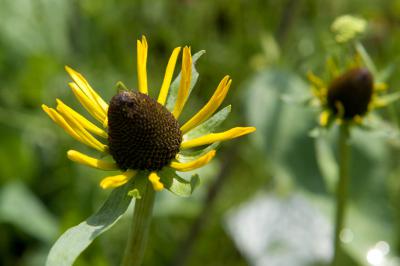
[[158, 187], [155, 181], [69, 70]]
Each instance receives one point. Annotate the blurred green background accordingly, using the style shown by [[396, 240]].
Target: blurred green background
[[279, 173]]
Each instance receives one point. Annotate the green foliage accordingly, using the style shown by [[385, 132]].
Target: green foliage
[[210, 124], [178, 185], [267, 47], [75, 240]]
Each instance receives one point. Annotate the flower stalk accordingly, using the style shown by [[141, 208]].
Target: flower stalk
[[140, 226], [342, 189]]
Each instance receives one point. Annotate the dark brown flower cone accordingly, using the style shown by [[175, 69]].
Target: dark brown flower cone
[[142, 133], [353, 90]]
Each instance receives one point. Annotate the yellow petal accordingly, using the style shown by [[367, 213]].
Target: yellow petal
[[63, 108], [199, 162], [59, 120], [324, 118], [90, 161], [142, 48], [169, 72], [358, 119], [340, 108], [315, 80], [380, 86], [117, 180], [86, 137], [332, 67], [184, 85], [155, 181], [212, 105], [88, 103], [214, 137], [105, 122], [87, 89]]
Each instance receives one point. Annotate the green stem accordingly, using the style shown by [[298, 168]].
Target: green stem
[[139, 231], [342, 187]]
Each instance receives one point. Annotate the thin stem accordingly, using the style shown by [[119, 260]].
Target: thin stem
[[342, 187], [139, 230]]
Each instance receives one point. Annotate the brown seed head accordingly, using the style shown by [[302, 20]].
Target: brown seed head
[[142, 133], [353, 90]]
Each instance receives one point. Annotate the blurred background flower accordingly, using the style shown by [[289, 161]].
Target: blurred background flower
[[268, 196]]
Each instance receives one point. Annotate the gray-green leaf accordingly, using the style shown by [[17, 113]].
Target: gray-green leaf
[[209, 125], [190, 155], [76, 239], [178, 185], [173, 90]]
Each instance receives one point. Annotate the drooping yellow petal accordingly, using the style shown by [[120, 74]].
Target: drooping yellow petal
[[81, 131], [380, 86], [63, 108], [169, 72], [315, 80], [117, 180], [324, 118], [384, 100], [214, 137], [105, 122], [358, 119], [155, 181], [184, 85], [88, 103], [87, 89], [142, 48], [90, 161], [59, 120], [212, 105], [332, 67], [199, 162], [340, 108]]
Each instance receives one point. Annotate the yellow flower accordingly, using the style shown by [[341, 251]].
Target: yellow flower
[[350, 95], [140, 133]]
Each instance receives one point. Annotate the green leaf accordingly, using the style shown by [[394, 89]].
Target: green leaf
[[19, 206], [76, 239], [209, 125], [173, 90], [178, 185], [282, 129], [190, 155], [366, 58], [387, 99], [120, 86]]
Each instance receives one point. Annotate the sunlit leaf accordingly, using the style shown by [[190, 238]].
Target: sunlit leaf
[[283, 128], [76, 239], [178, 185], [209, 125], [190, 155]]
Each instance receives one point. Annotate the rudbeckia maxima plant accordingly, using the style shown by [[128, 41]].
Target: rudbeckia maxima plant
[[144, 139], [347, 99], [350, 96]]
